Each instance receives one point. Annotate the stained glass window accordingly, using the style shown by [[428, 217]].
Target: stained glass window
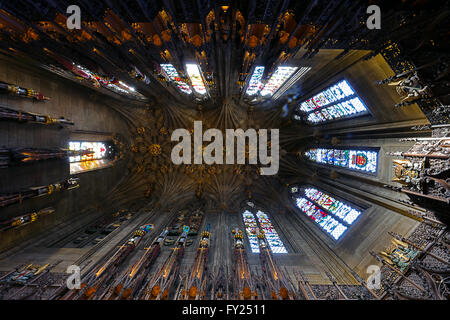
[[87, 162], [336, 207], [196, 79], [277, 79], [173, 75], [361, 160], [333, 216], [274, 241], [251, 230], [255, 85], [110, 83], [336, 102], [89, 165], [262, 222], [99, 149]]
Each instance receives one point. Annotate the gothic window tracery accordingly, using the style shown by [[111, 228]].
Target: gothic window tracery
[[333, 216], [354, 159], [336, 102], [255, 84], [196, 78], [173, 75], [261, 221], [87, 162], [280, 80]]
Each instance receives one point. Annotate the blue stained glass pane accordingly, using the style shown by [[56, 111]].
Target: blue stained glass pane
[[255, 85], [251, 230], [330, 225], [330, 156], [338, 231], [341, 158], [361, 160], [358, 104], [341, 210], [330, 96], [336, 102], [172, 73], [334, 112], [345, 87], [274, 241], [348, 107], [271, 235], [339, 110]]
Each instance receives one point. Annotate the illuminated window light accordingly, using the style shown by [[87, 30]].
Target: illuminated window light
[[196, 79], [251, 228], [127, 86], [87, 162], [173, 75], [99, 149], [271, 235], [255, 85], [114, 85], [333, 216], [361, 160], [277, 79], [339, 209], [325, 221], [274, 241], [336, 102]]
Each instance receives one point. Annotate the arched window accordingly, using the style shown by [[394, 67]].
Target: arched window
[[193, 72], [333, 216], [262, 222], [338, 101], [280, 81], [97, 159], [255, 85], [173, 75], [354, 159]]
